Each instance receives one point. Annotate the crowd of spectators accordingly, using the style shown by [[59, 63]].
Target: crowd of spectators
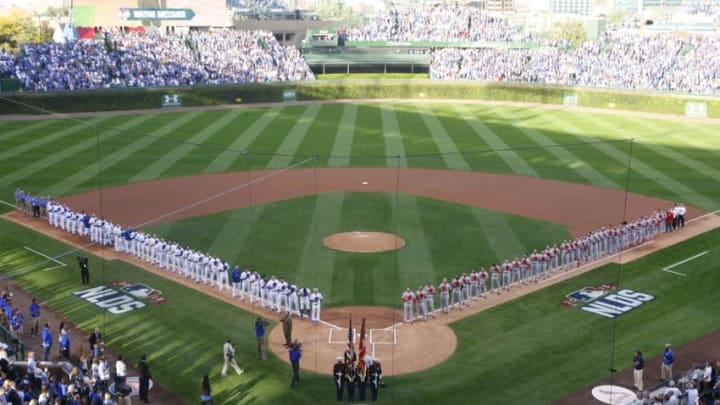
[[261, 6], [149, 59], [439, 22], [617, 60]]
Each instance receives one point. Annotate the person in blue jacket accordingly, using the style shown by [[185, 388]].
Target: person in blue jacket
[[295, 353]]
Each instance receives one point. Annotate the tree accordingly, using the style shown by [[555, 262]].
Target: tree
[[571, 31], [19, 27]]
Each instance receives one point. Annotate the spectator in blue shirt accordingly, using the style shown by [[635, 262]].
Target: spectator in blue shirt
[[667, 363]]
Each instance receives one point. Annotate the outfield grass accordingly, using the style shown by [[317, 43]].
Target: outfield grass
[[504, 354]]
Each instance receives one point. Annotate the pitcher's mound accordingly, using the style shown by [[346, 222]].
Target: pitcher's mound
[[364, 242]]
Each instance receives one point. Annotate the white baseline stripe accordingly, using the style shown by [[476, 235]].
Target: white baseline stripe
[[7, 203], [674, 272], [685, 261], [45, 256]]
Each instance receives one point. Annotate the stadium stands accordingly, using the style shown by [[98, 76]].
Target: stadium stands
[[147, 60]]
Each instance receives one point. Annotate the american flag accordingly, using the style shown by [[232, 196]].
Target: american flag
[[362, 349], [350, 350]]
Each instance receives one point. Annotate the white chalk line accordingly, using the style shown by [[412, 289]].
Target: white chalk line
[[60, 264], [667, 269], [7, 203]]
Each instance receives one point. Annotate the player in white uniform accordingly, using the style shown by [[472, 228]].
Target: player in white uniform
[[315, 303], [421, 304], [282, 292], [408, 299], [293, 303], [430, 298], [221, 274], [304, 301]]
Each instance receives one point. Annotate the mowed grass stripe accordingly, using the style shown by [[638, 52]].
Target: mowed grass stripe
[[680, 158], [226, 159], [171, 157], [315, 255], [415, 262], [64, 154], [562, 154], [46, 139], [236, 230], [501, 236], [394, 148], [343, 144], [517, 164], [24, 128], [118, 156], [676, 188], [451, 155], [294, 138]]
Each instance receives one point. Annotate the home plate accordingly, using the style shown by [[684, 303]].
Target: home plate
[[365, 182]]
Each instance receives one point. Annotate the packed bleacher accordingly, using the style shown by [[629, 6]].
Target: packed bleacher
[[150, 59], [440, 22], [616, 60]]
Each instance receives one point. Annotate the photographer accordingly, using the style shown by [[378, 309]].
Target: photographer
[[229, 355], [295, 352], [84, 269], [260, 325]]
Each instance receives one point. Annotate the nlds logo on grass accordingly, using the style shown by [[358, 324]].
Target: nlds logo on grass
[[600, 301], [110, 299], [140, 291]]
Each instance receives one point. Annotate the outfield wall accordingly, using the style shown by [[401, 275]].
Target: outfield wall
[[132, 99]]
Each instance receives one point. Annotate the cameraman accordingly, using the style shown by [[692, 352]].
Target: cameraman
[[84, 269], [260, 325], [229, 355]]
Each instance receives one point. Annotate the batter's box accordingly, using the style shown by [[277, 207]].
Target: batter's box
[[383, 336], [340, 335]]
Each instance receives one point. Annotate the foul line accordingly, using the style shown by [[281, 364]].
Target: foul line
[[7, 203], [59, 263], [667, 269]]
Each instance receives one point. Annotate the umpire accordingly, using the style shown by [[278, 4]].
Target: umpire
[[84, 269]]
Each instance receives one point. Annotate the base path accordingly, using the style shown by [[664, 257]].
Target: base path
[[579, 207]]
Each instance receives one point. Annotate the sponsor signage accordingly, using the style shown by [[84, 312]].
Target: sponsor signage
[[289, 95], [156, 13], [110, 299], [607, 302], [171, 100]]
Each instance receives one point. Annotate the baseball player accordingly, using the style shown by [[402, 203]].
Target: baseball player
[[245, 283], [495, 278], [222, 275], [444, 288], [408, 299], [474, 283], [304, 301], [507, 274], [430, 298], [482, 282], [457, 293], [292, 298], [235, 275], [421, 304], [283, 289], [315, 302]]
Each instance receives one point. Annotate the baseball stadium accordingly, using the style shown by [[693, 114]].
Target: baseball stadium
[[269, 202]]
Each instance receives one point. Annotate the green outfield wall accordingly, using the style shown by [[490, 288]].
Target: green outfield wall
[[133, 99]]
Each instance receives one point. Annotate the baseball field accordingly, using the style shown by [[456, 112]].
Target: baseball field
[[207, 177]]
